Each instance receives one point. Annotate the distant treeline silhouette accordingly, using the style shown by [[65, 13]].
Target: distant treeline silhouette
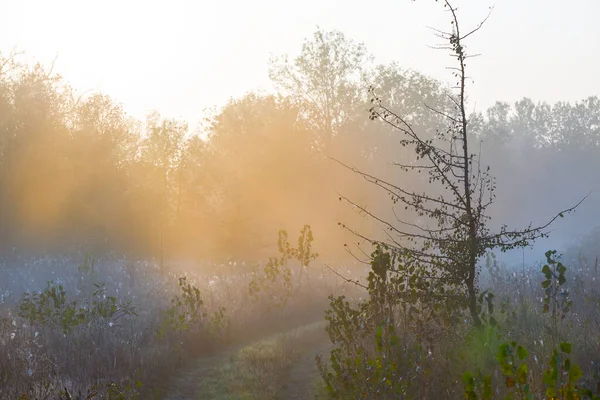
[[78, 172]]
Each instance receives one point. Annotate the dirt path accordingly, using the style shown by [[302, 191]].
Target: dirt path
[[202, 378], [186, 385], [304, 374]]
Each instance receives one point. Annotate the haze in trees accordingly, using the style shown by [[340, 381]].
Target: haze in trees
[[148, 257]]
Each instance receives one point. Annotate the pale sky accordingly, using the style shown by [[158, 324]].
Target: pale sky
[[181, 56]]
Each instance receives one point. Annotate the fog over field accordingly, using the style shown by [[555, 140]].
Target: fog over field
[[197, 197]]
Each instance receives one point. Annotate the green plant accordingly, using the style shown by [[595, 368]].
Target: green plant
[[557, 300], [108, 307], [477, 386], [369, 358], [512, 360], [561, 377], [449, 226], [219, 321], [51, 306], [188, 313], [273, 283], [303, 253]]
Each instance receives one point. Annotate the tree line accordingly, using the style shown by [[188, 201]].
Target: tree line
[[78, 171]]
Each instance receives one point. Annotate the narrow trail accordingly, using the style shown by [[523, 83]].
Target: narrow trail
[[186, 385], [304, 374], [195, 378]]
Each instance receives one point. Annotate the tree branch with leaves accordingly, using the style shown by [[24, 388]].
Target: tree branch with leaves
[[451, 232]]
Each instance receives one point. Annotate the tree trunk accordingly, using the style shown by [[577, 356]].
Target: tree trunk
[[472, 292]]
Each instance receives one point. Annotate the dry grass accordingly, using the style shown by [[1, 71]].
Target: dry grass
[[125, 356], [262, 370]]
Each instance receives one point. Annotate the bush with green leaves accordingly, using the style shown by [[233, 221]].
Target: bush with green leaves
[[188, 313], [561, 378], [51, 307], [557, 300], [380, 342], [382, 345], [273, 282], [108, 307]]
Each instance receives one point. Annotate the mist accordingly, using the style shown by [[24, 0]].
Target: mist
[[233, 219]]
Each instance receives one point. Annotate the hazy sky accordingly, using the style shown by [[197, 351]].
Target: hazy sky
[[180, 56]]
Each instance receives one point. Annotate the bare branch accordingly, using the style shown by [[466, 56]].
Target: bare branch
[[478, 26], [443, 114], [378, 181], [396, 230], [538, 229], [355, 282]]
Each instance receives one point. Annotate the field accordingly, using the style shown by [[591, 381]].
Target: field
[[114, 226], [83, 327], [75, 326]]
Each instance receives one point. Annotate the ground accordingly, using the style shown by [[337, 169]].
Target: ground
[[281, 366], [304, 374]]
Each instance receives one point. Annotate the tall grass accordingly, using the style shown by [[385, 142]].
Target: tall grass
[[124, 355]]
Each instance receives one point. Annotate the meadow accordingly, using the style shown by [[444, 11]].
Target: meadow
[[345, 236]]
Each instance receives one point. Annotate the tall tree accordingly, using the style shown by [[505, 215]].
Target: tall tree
[[40, 176], [450, 233], [161, 156], [263, 157], [326, 79], [7, 64], [103, 145]]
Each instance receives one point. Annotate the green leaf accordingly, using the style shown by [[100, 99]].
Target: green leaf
[[548, 378], [575, 373], [546, 283], [566, 347], [502, 353], [468, 380], [546, 270], [487, 387], [522, 352], [522, 373]]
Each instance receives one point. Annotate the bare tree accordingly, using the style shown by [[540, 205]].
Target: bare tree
[[450, 232]]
